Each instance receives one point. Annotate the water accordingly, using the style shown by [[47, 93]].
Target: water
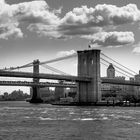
[[24, 121]]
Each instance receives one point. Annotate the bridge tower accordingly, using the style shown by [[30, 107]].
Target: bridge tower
[[89, 65], [36, 98]]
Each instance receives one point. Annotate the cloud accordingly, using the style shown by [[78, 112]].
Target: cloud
[[106, 39], [8, 24], [45, 30], [82, 21], [113, 15], [136, 49], [66, 53], [102, 15], [54, 31], [11, 30], [34, 12], [87, 21]]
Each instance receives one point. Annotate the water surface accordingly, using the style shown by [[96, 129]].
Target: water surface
[[24, 121]]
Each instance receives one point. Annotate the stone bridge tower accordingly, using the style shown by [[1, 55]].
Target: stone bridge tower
[[36, 98], [89, 65]]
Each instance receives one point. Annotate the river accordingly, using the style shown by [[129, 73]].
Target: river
[[24, 121]]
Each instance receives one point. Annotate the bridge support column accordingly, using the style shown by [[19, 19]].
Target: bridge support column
[[36, 98], [89, 65]]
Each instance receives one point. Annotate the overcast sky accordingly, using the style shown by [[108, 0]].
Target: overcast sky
[[45, 29]]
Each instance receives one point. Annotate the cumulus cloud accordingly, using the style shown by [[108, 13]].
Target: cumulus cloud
[[102, 15], [87, 21], [8, 24], [114, 15], [34, 12], [136, 49], [45, 30], [111, 38], [7, 31], [66, 53], [82, 21]]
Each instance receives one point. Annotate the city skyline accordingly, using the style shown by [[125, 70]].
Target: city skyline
[[48, 29]]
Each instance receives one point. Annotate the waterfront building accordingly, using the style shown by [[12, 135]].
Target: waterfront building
[[111, 88], [120, 89]]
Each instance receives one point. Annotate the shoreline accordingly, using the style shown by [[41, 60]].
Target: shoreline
[[119, 104]]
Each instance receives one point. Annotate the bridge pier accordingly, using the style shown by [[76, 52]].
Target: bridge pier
[[36, 97], [89, 65]]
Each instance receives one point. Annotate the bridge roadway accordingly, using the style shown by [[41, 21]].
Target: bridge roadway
[[40, 84], [59, 77], [119, 82], [44, 76], [49, 84]]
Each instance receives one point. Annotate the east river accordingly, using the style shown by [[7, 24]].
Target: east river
[[24, 121]]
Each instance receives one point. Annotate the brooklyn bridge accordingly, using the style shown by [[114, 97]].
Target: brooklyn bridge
[[87, 82]]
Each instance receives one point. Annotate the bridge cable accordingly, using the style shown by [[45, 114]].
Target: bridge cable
[[19, 67], [118, 67], [58, 59], [54, 70], [118, 63], [117, 70], [41, 63]]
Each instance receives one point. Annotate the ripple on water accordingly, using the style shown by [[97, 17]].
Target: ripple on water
[[125, 117], [137, 123], [105, 118], [88, 119], [71, 113], [43, 118], [87, 112], [27, 117]]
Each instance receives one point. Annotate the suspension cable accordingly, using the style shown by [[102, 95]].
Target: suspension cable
[[19, 67], [118, 63], [118, 67], [54, 69], [58, 59], [116, 70], [41, 63]]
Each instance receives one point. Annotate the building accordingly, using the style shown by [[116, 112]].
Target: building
[[44, 92], [110, 71], [111, 88], [120, 89]]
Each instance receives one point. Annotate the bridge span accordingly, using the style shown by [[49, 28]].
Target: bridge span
[[88, 81], [44, 76], [65, 85], [40, 84], [119, 82]]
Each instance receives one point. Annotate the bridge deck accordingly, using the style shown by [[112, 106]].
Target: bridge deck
[[44, 76], [119, 82], [60, 77], [40, 84]]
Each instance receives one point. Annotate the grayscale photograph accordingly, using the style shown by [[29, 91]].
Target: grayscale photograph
[[69, 70]]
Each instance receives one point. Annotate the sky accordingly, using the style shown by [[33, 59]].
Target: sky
[[46, 29]]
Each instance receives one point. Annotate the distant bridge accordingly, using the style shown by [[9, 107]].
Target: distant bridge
[[40, 84], [119, 82], [59, 77]]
